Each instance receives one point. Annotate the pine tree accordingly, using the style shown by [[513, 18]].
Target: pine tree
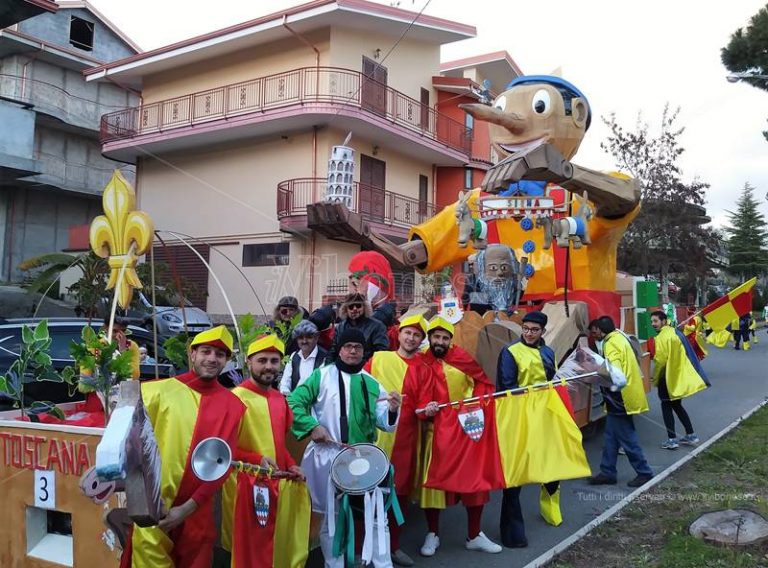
[[747, 52], [747, 237]]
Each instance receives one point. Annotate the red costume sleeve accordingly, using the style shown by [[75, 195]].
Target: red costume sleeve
[[287, 457]]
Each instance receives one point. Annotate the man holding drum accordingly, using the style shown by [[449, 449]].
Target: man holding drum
[[340, 404], [404, 371]]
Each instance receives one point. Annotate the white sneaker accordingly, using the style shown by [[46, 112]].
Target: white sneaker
[[482, 543], [430, 544]]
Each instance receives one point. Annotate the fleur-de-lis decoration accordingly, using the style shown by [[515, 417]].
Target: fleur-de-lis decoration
[[121, 235]]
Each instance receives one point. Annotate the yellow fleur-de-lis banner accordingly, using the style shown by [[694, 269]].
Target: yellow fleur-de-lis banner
[[121, 235]]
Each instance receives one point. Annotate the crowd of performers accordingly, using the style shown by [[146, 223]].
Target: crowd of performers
[[361, 391]]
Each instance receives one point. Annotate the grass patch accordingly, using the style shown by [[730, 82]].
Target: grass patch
[[652, 532]]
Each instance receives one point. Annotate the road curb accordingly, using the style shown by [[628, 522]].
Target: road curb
[[564, 545]]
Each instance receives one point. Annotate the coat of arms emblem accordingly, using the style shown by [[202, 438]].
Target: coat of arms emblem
[[261, 504], [472, 422]]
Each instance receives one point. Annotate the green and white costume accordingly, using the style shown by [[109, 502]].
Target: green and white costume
[[317, 401]]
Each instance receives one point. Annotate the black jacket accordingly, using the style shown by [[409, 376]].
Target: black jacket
[[374, 331]]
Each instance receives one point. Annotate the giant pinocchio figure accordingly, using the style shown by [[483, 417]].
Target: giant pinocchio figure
[[532, 197]]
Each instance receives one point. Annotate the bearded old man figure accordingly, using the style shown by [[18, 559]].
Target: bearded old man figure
[[497, 271]]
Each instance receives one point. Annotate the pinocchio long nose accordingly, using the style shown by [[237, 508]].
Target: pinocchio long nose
[[509, 120]]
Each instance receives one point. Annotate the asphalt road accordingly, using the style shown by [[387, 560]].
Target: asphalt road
[[739, 383]]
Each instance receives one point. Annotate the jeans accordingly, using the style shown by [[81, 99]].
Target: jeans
[[511, 523], [620, 432]]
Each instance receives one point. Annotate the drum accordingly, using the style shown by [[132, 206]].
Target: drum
[[359, 468]]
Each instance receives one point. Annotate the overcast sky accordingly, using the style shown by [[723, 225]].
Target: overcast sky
[[625, 57]]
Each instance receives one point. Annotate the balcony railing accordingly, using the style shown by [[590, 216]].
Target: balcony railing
[[54, 100], [296, 87], [374, 204], [93, 176]]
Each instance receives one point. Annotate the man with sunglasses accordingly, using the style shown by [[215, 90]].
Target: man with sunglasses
[[284, 319], [355, 313], [526, 362]]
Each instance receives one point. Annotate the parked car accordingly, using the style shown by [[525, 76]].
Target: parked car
[[62, 332], [170, 316]]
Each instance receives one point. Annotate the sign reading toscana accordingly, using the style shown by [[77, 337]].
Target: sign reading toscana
[[28, 451]]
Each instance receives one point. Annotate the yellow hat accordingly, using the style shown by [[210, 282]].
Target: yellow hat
[[218, 336], [269, 342], [438, 322], [415, 321]]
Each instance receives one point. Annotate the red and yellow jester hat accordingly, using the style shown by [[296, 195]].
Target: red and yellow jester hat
[[218, 336], [438, 322], [269, 342], [416, 321]]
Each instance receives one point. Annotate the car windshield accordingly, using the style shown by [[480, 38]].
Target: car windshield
[[167, 298]]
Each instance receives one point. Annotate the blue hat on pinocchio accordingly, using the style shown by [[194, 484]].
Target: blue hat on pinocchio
[[567, 89]]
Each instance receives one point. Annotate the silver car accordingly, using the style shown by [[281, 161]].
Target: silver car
[[170, 318]]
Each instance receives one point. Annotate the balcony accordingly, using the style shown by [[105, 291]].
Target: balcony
[[389, 213], [294, 99], [87, 178], [50, 99]]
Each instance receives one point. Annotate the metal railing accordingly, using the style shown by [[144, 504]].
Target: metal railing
[[54, 100], [92, 176], [332, 85], [375, 204]]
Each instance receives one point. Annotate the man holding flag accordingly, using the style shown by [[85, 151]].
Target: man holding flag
[[677, 373], [694, 332], [269, 539], [456, 376], [723, 314], [524, 363], [522, 435]]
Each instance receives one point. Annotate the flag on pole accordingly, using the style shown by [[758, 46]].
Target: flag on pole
[[730, 307], [527, 438]]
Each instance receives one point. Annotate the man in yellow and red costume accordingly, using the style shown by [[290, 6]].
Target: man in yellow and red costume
[[279, 536], [456, 376], [403, 371], [694, 333], [185, 410]]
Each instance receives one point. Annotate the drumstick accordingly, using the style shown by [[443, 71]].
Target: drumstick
[[385, 398]]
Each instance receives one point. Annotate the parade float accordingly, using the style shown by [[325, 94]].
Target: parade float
[[542, 233], [56, 509]]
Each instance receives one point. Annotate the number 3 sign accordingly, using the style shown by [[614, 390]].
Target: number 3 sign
[[45, 489]]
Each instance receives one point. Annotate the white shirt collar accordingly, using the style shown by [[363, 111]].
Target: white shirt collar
[[311, 355]]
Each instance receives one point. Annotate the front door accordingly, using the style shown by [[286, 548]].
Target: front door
[[372, 195]]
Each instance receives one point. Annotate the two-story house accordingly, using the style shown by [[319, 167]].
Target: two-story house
[[52, 172], [233, 138]]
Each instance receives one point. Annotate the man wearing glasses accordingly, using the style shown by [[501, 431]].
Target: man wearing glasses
[[527, 362], [355, 313]]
